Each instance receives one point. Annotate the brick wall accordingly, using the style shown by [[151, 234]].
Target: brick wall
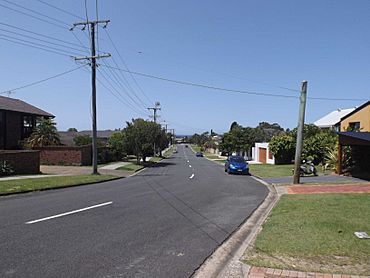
[[64, 155], [23, 162]]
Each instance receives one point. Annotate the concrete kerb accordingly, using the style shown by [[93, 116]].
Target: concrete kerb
[[225, 260]]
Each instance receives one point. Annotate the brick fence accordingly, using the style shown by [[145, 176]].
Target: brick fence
[[23, 161], [65, 155]]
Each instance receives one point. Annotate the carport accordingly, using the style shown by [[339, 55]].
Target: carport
[[353, 139]]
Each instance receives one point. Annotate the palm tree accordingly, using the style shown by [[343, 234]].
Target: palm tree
[[45, 134]]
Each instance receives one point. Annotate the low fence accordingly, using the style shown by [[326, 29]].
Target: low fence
[[22, 161]]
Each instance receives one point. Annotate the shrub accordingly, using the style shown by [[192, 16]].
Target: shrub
[[6, 169]]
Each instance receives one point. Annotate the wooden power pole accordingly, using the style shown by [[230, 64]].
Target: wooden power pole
[[92, 60], [298, 150]]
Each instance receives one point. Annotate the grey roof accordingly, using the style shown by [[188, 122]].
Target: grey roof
[[99, 133], [12, 104], [365, 136]]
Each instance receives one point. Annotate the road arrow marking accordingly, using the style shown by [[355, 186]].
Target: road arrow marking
[[68, 213]]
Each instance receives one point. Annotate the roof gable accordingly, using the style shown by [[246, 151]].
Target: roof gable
[[17, 105], [356, 110]]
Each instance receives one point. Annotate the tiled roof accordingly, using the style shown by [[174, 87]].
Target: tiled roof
[[12, 104]]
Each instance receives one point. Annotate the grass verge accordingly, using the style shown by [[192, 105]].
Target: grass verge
[[315, 233], [132, 167], [26, 185]]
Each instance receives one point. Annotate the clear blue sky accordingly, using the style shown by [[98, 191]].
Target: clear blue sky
[[232, 44]]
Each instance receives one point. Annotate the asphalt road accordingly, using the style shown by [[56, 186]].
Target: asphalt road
[[163, 222]]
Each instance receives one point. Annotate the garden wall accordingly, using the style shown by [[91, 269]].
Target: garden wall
[[65, 155], [23, 161]]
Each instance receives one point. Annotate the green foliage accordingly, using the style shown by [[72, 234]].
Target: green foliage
[[72, 129], [117, 143], [283, 148], [82, 140], [317, 143], [6, 169], [140, 137], [200, 139], [45, 134]]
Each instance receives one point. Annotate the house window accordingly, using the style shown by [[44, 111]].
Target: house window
[[354, 126], [28, 124], [2, 130]]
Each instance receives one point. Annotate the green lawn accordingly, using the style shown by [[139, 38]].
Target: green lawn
[[132, 167], [195, 148], [269, 171], [155, 159], [315, 233], [21, 185]]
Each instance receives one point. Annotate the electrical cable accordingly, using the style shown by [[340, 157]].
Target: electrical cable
[[41, 81], [60, 9], [233, 90], [41, 45], [38, 39], [123, 62]]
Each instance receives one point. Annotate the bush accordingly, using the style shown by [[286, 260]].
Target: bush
[[6, 169]]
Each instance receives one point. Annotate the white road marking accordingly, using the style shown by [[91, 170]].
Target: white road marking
[[192, 176], [190, 166], [68, 213], [188, 161]]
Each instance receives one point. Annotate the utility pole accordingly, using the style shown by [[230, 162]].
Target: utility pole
[[93, 58], [157, 106], [298, 150]]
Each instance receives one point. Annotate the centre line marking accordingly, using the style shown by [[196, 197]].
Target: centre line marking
[[192, 176], [188, 161], [190, 166], [68, 213]]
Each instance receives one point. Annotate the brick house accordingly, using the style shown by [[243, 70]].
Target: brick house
[[17, 120]]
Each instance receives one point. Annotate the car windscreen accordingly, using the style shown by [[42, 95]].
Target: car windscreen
[[237, 159]]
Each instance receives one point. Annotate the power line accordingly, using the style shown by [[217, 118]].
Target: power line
[[42, 35], [38, 39], [119, 95], [41, 81], [60, 9], [116, 81], [123, 62], [41, 48], [233, 90], [119, 83], [67, 53], [32, 16]]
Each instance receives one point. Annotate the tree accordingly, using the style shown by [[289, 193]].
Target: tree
[[72, 129], [44, 134], [316, 144], [269, 130], [82, 140], [140, 136], [117, 144], [283, 148]]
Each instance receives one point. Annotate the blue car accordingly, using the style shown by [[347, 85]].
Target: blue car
[[236, 165]]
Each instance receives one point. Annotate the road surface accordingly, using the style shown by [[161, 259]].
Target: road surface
[[163, 222]]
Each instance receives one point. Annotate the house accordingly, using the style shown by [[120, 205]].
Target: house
[[357, 139], [17, 120], [261, 153], [331, 121], [357, 120]]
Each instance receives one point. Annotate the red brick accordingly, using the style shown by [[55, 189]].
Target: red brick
[[23, 162]]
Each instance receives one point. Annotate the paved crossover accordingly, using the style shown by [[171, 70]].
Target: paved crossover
[[163, 222]]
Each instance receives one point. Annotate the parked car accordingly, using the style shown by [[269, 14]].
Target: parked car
[[236, 164], [199, 154]]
